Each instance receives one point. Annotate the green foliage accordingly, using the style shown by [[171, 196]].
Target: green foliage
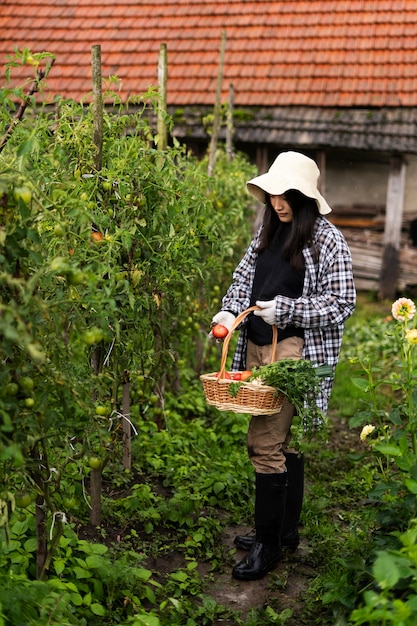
[[299, 381], [109, 281], [87, 578]]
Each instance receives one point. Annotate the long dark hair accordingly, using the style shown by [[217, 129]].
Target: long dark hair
[[305, 214]]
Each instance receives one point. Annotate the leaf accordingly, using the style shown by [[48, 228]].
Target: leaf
[[411, 485], [179, 576], [59, 565], [31, 544], [80, 572], [146, 620], [360, 383], [26, 147], [94, 561], [356, 420], [218, 486], [98, 609], [76, 599], [395, 417], [150, 595], [87, 599], [386, 571], [388, 449]]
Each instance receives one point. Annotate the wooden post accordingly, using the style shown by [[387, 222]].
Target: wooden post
[[322, 167], [127, 435], [216, 120], [40, 514], [262, 158], [97, 106], [229, 125], [392, 233], [162, 101], [96, 478], [96, 474]]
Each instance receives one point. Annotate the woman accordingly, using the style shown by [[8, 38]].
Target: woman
[[298, 271]]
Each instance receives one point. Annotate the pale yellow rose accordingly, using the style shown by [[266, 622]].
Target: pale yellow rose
[[411, 335], [366, 430]]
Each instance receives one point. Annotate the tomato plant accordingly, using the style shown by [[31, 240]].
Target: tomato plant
[[98, 270]]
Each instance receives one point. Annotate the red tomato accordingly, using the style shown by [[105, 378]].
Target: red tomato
[[97, 235], [235, 375], [219, 331], [226, 375]]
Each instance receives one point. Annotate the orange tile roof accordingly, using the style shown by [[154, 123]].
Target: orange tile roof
[[322, 53]]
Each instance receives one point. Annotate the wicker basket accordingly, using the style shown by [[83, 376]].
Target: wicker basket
[[253, 398]]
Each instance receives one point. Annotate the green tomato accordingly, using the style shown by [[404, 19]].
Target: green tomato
[[23, 193], [12, 389], [101, 410], [23, 500], [58, 230], [76, 277], [29, 402], [26, 383], [106, 184], [119, 276], [59, 265], [92, 336], [69, 502], [94, 462]]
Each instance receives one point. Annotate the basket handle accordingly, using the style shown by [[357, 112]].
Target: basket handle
[[228, 337]]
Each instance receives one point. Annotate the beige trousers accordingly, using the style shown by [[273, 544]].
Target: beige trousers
[[269, 435]]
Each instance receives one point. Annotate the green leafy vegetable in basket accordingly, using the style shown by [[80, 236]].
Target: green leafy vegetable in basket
[[299, 380]]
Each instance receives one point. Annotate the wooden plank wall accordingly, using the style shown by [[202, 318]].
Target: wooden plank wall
[[366, 244]]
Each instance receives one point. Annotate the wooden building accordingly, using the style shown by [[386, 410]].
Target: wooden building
[[335, 79]]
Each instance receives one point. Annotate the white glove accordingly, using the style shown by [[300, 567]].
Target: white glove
[[268, 311], [225, 318]]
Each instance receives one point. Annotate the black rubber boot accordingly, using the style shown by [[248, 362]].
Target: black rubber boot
[[290, 537], [266, 551]]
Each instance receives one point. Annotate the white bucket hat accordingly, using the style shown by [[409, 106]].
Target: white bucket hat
[[290, 170]]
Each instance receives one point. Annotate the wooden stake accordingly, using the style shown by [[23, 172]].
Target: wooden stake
[[216, 120], [96, 474], [127, 435], [97, 105], [96, 477], [162, 104], [229, 125]]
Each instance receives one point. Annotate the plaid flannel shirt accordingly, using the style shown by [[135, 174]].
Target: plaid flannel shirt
[[327, 301]]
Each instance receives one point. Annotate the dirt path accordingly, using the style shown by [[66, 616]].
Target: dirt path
[[283, 588]]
